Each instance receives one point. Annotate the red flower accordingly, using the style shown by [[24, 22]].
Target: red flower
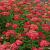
[[21, 18], [8, 24], [33, 27], [3, 32], [16, 9], [14, 46], [21, 3], [9, 7], [32, 34], [16, 17], [46, 27], [32, 11], [40, 33], [43, 37], [48, 12], [27, 25], [18, 42], [4, 46], [29, 16], [38, 13], [5, 13], [44, 43], [10, 2], [36, 19], [2, 8], [44, 16], [23, 34], [8, 33], [34, 48], [2, 3], [14, 26], [37, 0]]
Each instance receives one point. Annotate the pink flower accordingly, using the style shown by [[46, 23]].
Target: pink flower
[[9, 7], [27, 1], [27, 25], [18, 42], [46, 27], [33, 27], [44, 43], [21, 12], [8, 33], [36, 19], [14, 46], [2, 49], [37, 0], [2, 8], [40, 33], [8, 24], [38, 13], [14, 26], [5, 13], [12, 32], [10, 2], [29, 16], [5, 46], [32, 11], [16, 9], [32, 35], [2, 3], [43, 37], [8, 49], [34, 48], [23, 34], [3, 32], [16, 17]]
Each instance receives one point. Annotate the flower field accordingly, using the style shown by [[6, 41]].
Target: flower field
[[24, 24]]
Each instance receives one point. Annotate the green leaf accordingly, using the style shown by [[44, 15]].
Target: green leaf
[[26, 19], [27, 48], [10, 17], [17, 30], [12, 39], [26, 12], [21, 30], [46, 48], [35, 43], [34, 4], [48, 38], [4, 42], [22, 16]]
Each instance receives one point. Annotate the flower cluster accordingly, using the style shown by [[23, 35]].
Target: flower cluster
[[24, 25]]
